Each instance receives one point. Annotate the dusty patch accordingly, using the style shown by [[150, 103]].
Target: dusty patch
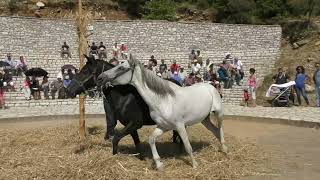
[[48, 153]]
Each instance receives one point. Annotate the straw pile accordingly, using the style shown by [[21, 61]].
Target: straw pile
[[48, 153]]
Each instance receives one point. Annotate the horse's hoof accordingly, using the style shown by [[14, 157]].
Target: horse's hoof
[[159, 166], [224, 148], [195, 165]]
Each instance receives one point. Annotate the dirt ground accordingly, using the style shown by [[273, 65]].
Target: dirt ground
[[43, 149]]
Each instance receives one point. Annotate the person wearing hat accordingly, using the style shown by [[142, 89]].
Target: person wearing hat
[[56, 86]]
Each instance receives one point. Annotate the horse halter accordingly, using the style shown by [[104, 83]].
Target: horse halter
[[92, 75]]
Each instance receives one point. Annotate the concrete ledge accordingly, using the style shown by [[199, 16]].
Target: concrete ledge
[[297, 123]]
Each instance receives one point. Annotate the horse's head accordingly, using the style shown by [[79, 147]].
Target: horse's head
[[86, 78], [119, 75]]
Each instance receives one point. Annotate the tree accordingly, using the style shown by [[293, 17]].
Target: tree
[[160, 10]]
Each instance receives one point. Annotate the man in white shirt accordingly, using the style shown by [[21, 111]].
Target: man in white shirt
[[238, 66]]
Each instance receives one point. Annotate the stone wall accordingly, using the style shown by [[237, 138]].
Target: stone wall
[[40, 41]]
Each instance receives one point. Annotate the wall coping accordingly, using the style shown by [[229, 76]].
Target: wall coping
[[144, 21]]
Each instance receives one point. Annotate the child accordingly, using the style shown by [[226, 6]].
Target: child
[[252, 83], [245, 96]]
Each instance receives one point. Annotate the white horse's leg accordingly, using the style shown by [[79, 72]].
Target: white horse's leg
[[152, 141], [218, 132], [184, 136]]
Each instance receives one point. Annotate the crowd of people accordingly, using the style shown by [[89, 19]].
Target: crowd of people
[[228, 73], [300, 83]]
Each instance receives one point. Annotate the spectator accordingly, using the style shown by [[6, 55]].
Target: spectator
[[165, 74], [2, 91], [252, 83], [21, 66], [281, 77], [45, 87], [115, 50], [94, 49], [9, 61], [153, 61], [300, 85], [228, 58], [26, 88], [124, 51], [316, 79], [206, 68], [66, 83], [192, 56], [65, 50], [223, 76], [55, 87], [70, 74], [7, 77], [199, 58], [246, 97], [190, 80], [238, 66], [182, 73], [163, 67], [35, 88], [102, 52], [176, 77], [174, 67], [215, 81]]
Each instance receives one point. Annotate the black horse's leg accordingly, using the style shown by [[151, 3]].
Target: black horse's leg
[[120, 134], [136, 139], [111, 122]]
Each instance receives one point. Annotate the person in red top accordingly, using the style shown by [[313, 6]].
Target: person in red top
[[174, 67]]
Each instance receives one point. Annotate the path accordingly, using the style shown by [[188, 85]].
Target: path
[[307, 114]]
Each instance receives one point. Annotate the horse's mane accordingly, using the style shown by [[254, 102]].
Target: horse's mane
[[155, 83]]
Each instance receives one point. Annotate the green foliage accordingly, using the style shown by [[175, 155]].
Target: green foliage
[[235, 11], [271, 8], [133, 7], [13, 6], [160, 10]]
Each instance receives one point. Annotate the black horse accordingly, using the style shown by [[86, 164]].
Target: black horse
[[128, 106]]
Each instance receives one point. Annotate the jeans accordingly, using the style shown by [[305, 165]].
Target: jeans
[[318, 94], [46, 92], [110, 120], [302, 92]]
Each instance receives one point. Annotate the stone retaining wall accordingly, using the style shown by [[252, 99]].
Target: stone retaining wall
[[40, 41]]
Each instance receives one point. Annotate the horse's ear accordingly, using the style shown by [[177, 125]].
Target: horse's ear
[[131, 61], [86, 57]]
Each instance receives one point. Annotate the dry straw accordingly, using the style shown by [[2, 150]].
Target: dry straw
[[47, 153]]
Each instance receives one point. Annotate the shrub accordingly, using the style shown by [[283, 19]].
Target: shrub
[[160, 10]]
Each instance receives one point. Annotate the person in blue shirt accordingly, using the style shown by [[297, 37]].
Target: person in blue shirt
[[176, 77], [300, 85], [223, 76], [316, 79]]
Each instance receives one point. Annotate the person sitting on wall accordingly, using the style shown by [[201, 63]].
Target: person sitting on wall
[[9, 61], [281, 77], [102, 52], [174, 67], [124, 51], [56, 86], [65, 50], [21, 65], [94, 48], [115, 50]]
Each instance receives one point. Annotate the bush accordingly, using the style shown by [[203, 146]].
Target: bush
[[13, 7], [235, 11], [160, 10], [203, 4]]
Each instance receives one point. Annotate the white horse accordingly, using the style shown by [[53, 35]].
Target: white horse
[[171, 107]]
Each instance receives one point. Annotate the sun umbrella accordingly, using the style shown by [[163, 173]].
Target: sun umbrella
[[36, 72], [68, 66], [4, 64]]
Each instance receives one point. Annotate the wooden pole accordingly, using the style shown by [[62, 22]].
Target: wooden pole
[[81, 23]]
